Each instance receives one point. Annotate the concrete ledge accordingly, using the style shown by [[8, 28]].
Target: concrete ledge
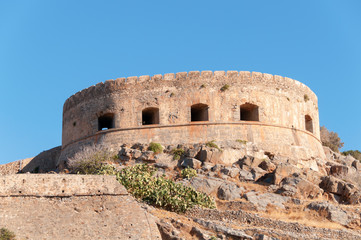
[[59, 185]]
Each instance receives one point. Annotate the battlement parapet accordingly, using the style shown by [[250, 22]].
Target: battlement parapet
[[216, 76]]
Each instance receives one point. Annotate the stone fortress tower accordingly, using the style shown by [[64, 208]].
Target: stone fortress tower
[[277, 113]]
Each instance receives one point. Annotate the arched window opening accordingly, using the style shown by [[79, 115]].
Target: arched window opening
[[199, 112], [150, 116], [308, 123], [106, 121], [249, 112]]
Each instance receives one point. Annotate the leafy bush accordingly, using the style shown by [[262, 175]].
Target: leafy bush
[[6, 234], [90, 160], [177, 153], [225, 87], [161, 192], [330, 139], [107, 169], [155, 147], [188, 173], [354, 153], [241, 141], [213, 145]]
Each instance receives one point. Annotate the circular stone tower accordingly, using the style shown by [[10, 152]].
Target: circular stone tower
[[277, 113]]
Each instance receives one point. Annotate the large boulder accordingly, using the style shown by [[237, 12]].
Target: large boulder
[[258, 173], [245, 176], [348, 192], [209, 154], [267, 165], [208, 185], [284, 170], [248, 162], [261, 201], [357, 165], [229, 191], [330, 211], [230, 171], [298, 187], [339, 170], [191, 163]]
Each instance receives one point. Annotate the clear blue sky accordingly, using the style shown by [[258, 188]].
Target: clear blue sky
[[49, 50]]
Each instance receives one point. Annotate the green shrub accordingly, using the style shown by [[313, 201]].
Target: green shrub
[[306, 98], [213, 145], [177, 153], [188, 173], [241, 141], [6, 234], [330, 139], [90, 160], [159, 191], [225, 87], [354, 153], [107, 169], [155, 147]]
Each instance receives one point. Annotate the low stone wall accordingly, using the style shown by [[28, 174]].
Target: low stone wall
[[59, 185], [43, 162], [280, 140], [40, 206]]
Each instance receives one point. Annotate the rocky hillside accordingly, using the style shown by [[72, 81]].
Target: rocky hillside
[[258, 195]]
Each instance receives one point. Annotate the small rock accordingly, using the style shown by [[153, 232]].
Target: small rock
[[245, 175], [258, 173], [267, 166], [219, 227], [217, 167], [161, 165], [136, 153], [356, 164], [230, 171], [192, 163], [147, 156], [264, 237], [229, 191], [339, 170], [207, 166]]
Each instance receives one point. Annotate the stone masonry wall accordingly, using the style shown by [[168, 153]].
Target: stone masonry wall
[[283, 104], [40, 206]]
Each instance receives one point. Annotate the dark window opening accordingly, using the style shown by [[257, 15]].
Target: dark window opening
[[249, 112], [308, 123], [199, 112], [150, 116], [106, 122]]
